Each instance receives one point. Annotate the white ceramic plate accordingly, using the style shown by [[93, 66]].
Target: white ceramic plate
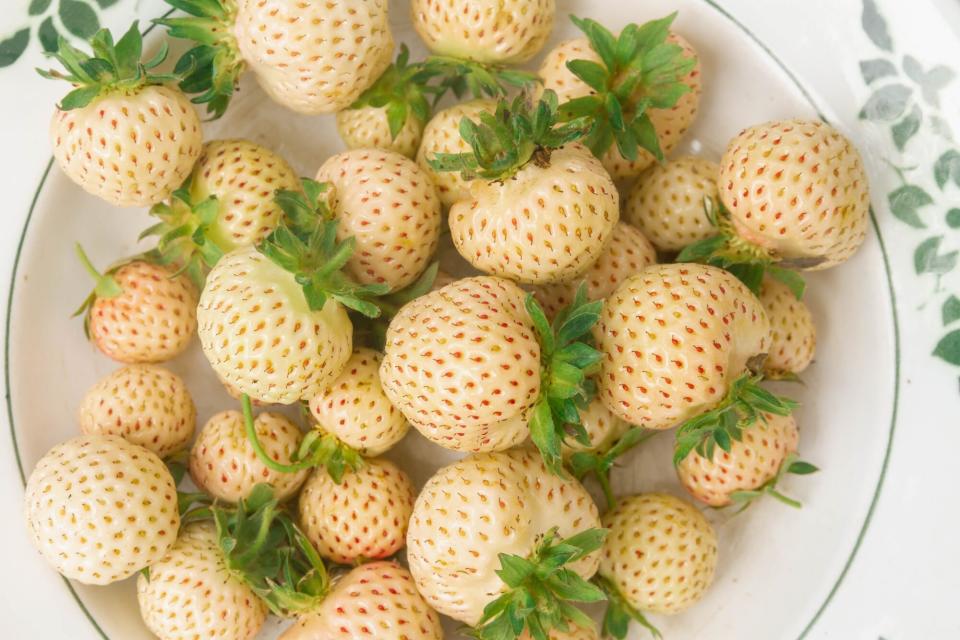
[[887, 346]]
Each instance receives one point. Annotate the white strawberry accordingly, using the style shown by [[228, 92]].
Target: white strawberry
[[139, 312], [356, 410], [391, 114], [192, 593], [224, 463], [309, 57], [659, 556], [793, 336], [475, 512], [653, 112], [147, 405], [795, 191], [272, 320], [442, 135], [667, 202], [228, 203], [100, 509], [627, 252], [508, 31], [755, 462], [472, 364], [674, 339], [391, 208], [363, 516], [545, 216], [375, 600], [122, 134]]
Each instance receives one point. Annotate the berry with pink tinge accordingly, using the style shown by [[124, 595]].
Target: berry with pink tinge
[[376, 600], [362, 517], [145, 404]]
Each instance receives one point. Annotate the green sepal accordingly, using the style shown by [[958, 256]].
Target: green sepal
[[567, 360], [113, 67], [599, 463], [105, 286], [619, 613], [317, 449], [750, 263], [477, 79], [263, 547], [540, 589], [212, 68], [183, 233], [745, 404], [505, 141], [305, 244], [403, 90], [791, 464], [372, 332], [638, 70]]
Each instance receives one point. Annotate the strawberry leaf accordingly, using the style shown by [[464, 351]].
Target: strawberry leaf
[[466, 77]]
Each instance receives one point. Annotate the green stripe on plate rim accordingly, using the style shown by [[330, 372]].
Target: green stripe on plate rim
[[886, 265]]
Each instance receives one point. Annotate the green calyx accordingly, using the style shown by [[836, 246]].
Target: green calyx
[[746, 403], [113, 67], [317, 449], [401, 91], [541, 589], [263, 547], [745, 260], [619, 614], [600, 463], [212, 68], [567, 360], [372, 332], [791, 464], [105, 285], [639, 70], [465, 77], [305, 244], [504, 142], [183, 234]]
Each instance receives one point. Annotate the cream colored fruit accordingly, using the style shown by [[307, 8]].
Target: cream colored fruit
[[224, 464], [368, 128], [145, 404], [797, 189], [497, 31], [132, 150], [389, 205], [442, 135], [546, 224], [364, 517], [793, 335], [376, 600], [660, 554], [627, 252], [261, 337], [314, 57], [667, 202], [670, 124], [191, 594], [244, 177], [356, 410], [602, 427], [463, 364], [482, 506], [751, 462], [99, 509]]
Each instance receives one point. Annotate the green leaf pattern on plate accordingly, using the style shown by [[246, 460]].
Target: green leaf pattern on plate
[[904, 95], [47, 20]]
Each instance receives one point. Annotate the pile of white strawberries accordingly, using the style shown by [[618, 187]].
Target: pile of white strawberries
[[617, 294]]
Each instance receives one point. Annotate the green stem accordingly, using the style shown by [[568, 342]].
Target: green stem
[[265, 523], [258, 448], [784, 499], [87, 265]]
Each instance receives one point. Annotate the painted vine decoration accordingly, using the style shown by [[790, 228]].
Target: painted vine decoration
[[906, 98], [48, 20]]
